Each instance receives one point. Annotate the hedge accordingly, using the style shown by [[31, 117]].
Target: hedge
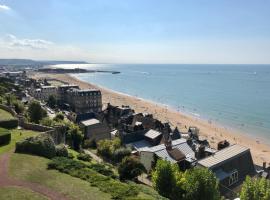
[[9, 124], [41, 145], [5, 136]]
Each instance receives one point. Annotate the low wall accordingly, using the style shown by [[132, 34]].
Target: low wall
[[8, 109]]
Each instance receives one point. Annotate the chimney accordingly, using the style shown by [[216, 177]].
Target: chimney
[[168, 143], [264, 165]]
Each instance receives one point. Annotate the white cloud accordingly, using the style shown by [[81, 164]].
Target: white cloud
[[4, 8], [14, 42]]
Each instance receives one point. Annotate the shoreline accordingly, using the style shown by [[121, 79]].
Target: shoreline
[[213, 132]]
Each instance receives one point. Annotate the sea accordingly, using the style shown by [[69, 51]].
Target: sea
[[233, 96]]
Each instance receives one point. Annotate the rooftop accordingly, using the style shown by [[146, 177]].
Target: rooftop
[[90, 122], [152, 134], [223, 155], [180, 144]]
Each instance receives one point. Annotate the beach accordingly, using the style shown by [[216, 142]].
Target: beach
[[210, 131]]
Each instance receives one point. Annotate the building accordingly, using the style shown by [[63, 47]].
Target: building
[[62, 91], [231, 165], [44, 92], [84, 101], [176, 151], [95, 130]]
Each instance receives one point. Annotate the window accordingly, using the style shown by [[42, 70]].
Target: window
[[233, 178]]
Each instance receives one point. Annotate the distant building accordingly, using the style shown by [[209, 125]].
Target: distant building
[[95, 130], [84, 101], [231, 165]]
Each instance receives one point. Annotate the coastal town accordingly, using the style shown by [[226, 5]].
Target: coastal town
[[75, 126]]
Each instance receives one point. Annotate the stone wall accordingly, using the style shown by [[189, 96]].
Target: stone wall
[[8, 109]]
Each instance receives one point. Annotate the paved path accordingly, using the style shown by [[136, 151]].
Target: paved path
[[94, 156], [7, 181]]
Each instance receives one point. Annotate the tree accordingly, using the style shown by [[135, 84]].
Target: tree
[[130, 168], [18, 106], [200, 184], [75, 136], [59, 117], [163, 178], [36, 112], [51, 101], [104, 148], [255, 189], [121, 153]]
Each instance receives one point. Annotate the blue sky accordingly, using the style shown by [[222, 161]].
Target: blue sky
[[137, 31]]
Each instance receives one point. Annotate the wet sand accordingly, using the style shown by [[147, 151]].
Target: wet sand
[[212, 132]]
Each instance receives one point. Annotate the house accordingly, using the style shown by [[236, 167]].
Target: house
[[231, 165], [176, 151], [93, 129]]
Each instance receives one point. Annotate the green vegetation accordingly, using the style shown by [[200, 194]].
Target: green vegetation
[[16, 135], [34, 169], [9, 124], [130, 168], [84, 157], [5, 136], [4, 115], [197, 183], [51, 101], [106, 148], [61, 150], [106, 184], [36, 112], [42, 145], [255, 189], [18, 193], [74, 136]]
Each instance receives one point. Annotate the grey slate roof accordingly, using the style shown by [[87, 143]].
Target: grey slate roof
[[180, 144], [223, 155]]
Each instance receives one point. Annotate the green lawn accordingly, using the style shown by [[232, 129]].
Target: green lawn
[[16, 136], [18, 193], [34, 169], [4, 115]]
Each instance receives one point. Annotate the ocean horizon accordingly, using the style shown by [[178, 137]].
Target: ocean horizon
[[233, 96]]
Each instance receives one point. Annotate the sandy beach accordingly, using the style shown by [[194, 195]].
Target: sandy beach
[[212, 132]]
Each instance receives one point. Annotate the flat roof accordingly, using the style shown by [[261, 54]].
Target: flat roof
[[152, 134], [223, 155], [90, 122]]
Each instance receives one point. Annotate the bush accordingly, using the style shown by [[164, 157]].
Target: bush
[[41, 145], [5, 136], [84, 157], [130, 168], [90, 144], [120, 153], [61, 151], [118, 190], [19, 107], [9, 124], [59, 117], [70, 156]]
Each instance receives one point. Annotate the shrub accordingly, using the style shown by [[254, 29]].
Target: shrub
[[18, 106], [117, 189], [120, 153], [5, 136], [70, 156], [59, 117], [9, 124], [36, 112], [84, 157], [41, 145], [90, 143], [61, 151], [130, 168]]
